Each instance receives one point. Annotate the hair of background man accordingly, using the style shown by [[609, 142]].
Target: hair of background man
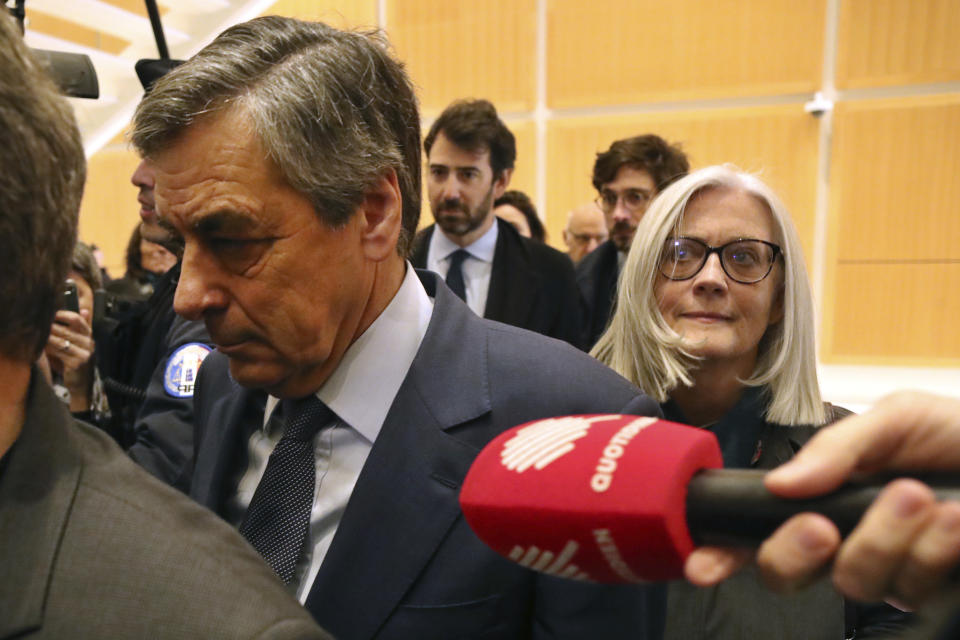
[[332, 109], [42, 170], [664, 162], [642, 347], [522, 203], [473, 125]]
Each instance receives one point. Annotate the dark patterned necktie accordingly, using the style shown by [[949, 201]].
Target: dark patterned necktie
[[278, 519], [455, 274]]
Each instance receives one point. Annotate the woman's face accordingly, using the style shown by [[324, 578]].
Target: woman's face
[[722, 320], [84, 293]]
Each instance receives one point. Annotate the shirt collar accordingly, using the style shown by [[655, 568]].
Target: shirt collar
[[362, 387], [482, 248]]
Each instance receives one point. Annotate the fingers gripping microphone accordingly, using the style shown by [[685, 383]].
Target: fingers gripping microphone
[[616, 498]]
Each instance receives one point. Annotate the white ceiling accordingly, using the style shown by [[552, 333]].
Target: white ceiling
[[188, 25]]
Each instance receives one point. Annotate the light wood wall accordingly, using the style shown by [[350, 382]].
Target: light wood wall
[[872, 187]]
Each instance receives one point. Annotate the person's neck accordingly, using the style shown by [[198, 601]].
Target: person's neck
[[470, 237], [715, 391], [13, 401]]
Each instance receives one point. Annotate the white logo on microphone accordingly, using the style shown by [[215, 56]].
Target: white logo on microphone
[[544, 441], [545, 562]]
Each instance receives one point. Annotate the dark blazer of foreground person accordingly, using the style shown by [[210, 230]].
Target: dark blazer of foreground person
[[91, 547], [532, 285], [403, 563]]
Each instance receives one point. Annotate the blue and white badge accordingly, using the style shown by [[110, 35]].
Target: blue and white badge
[[181, 373]]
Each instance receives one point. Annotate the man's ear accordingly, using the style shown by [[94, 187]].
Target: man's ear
[[501, 183], [382, 218]]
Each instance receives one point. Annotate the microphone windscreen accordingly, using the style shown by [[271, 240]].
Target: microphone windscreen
[[591, 497]]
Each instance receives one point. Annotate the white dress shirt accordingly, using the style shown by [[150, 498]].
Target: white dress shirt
[[476, 268], [360, 391]]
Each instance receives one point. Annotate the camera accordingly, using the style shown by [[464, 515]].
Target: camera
[[71, 299]]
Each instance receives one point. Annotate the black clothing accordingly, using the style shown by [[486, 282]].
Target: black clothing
[[597, 279], [532, 286], [816, 613]]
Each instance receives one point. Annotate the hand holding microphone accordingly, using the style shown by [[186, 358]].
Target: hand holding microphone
[[624, 499]]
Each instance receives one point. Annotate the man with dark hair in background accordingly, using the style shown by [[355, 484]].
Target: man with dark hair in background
[[627, 176], [90, 545], [501, 275], [349, 394]]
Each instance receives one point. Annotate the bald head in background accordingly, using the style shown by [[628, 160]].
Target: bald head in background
[[585, 230]]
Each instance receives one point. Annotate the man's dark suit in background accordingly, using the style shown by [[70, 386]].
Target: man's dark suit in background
[[532, 285], [597, 277]]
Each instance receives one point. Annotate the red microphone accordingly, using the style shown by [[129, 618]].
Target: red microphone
[[622, 499]]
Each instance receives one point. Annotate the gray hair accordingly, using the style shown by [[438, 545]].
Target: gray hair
[[642, 347], [333, 110], [42, 169]]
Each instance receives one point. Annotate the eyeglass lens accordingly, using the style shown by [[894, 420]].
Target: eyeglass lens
[[633, 199], [745, 261]]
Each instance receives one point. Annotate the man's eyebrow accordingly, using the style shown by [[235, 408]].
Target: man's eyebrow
[[224, 220]]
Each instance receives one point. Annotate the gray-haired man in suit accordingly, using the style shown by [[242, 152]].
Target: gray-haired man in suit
[[349, 394], [90, 545]]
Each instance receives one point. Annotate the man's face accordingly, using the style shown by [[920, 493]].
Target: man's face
[[282, 294], [586, 230], [625, 200], [462, 189], [144, 180]]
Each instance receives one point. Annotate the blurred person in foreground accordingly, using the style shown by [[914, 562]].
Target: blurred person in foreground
[[714, 318], [585, 231], [516, 208], [907, 546], [90, 545], [627, 177], [349, 393]]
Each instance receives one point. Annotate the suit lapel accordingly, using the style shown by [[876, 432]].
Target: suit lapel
[[405, 500], [37, 490], [421, 245], [221, 445], [514, 286]]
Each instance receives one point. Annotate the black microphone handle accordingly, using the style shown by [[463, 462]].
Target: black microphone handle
[[732, 507]]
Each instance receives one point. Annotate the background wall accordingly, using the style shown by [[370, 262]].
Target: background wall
[[872, 179]]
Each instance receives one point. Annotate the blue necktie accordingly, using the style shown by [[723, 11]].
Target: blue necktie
[[278, 519], [455, 274]]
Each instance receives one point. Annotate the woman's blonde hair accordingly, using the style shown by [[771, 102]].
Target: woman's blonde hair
[[641, 346]]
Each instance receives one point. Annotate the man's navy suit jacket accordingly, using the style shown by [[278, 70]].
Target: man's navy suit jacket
[[403, 563], [532, 286]]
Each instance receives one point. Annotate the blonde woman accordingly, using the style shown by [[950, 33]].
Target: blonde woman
[[714, 319]]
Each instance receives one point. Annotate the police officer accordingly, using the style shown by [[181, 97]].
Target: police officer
[[148, 355]]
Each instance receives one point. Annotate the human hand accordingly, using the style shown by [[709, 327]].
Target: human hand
[[905, 545], [70, 348]]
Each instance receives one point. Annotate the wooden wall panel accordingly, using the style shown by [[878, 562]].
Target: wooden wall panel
[[464, 49], [343, 14], [778, 142], [109, 210], [525, 169], [632, 51], [893, 264], [895, 179], [893, 314], [891, 42]]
